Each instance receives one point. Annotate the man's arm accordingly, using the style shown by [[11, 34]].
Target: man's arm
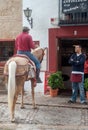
[[31, 43], [72, 59], [16, 43], [80, 61]]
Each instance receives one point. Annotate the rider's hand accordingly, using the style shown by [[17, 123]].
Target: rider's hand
[[36, 46]]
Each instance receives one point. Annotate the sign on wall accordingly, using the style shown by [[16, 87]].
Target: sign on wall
[[71, 6]]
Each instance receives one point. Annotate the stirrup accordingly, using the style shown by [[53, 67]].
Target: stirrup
[[39, 80]]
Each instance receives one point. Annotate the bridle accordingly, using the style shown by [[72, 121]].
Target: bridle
[[42, 55]]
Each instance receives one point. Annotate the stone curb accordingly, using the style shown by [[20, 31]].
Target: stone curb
[[56, 105]]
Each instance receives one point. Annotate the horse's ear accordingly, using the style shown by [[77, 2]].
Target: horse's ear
[[44, 48]]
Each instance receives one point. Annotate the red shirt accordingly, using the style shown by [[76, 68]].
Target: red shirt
[[24, 42], [86, 67]]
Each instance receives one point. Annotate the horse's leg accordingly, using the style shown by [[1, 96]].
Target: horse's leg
[[13, 107], [21, 80], [33, 94], [22, 96]]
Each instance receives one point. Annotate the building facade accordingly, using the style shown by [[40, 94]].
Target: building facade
[[10, 18], [57, 25], [10, 27], [73, 25], [42, 12]]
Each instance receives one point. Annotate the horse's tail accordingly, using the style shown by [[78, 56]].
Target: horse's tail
[[11, 83]]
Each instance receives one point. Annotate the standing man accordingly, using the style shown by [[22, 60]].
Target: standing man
[[77, 61], [23, 45]]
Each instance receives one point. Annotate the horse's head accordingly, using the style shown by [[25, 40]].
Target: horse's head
[[39, 53]]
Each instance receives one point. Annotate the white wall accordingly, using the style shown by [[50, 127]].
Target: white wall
[[42, 12]]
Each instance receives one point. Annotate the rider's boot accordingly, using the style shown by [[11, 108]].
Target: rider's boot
[[37, 76]]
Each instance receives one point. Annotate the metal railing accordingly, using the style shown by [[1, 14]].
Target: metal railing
[[75, 19], [72, 18]]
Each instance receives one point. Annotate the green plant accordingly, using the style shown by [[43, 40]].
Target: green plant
[[86, 84], [55, 80]]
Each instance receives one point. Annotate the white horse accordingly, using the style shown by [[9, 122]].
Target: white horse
[[16, 73]]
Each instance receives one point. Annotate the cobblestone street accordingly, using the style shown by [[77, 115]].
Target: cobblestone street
[[51, 114]]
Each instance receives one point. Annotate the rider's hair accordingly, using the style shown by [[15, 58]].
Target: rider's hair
[[25, 29]]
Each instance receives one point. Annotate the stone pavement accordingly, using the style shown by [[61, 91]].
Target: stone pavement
[[51, 113]]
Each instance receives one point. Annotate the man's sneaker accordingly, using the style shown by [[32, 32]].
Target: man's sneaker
[[70, 101], [84, 103]]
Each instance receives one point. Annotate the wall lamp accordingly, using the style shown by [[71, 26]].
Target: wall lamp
[[27, 13]]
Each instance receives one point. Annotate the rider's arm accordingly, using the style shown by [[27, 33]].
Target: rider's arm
[[16, 45], [31, 43]]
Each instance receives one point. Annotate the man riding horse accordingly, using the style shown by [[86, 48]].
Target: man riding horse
[[23, 45]]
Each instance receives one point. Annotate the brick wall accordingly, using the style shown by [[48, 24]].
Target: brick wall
[[10, 25], [10, 18]]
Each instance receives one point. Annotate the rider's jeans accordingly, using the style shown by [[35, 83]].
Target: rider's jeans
[[32, 57], [75, 87]]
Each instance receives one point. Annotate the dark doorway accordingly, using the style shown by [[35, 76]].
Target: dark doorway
[[65, 51]]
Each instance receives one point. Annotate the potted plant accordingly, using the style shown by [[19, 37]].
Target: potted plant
[[86, 87], [55, 81]]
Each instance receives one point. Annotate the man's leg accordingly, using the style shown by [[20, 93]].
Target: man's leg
[[74, 93], [38, 65], [36, 61], [82, 92]]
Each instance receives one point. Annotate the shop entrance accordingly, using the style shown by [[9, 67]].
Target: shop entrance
[[64, 51]]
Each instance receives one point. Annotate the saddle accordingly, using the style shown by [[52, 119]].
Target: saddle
[[25, 66]]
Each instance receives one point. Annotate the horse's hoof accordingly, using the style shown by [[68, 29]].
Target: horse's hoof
[[13, 120], [35, 107], [22, 107]]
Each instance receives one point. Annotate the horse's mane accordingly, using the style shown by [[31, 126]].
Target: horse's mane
[[34, 50]]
